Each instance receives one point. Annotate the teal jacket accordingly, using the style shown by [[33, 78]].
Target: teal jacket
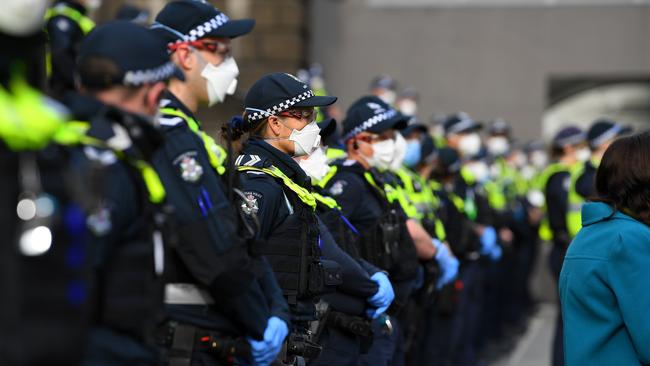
[[605, 290]]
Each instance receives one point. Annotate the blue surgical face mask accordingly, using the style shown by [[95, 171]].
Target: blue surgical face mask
[[413, 153]]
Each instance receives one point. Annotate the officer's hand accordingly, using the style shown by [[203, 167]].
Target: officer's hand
[[275, 333], [262, 352], [489, 244], [383, 297], [447, 262]]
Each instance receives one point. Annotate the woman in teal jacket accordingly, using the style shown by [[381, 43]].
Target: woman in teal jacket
[[605, 279]]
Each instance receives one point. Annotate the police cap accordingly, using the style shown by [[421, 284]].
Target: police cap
[[570, 135], [278, 92], [371, 114], [603, 130], [133, 50], [461, 123], [413, 125], [190, 20]]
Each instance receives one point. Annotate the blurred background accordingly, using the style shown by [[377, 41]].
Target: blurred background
[[538, 64]]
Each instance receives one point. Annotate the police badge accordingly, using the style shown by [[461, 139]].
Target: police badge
[[249, 205], [191, 170]]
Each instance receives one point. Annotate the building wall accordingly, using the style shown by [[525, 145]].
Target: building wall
[[489, 62]]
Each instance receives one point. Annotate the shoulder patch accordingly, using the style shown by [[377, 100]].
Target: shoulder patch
[[249, 204], [338, 187], [248, 160], [189, 168]]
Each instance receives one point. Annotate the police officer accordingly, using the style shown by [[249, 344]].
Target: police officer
[[67, 25], [42, 272], [384, 87], [556, 181], [128, 237], [600, 135], [348, 331], [279, 118], [385, 239], [210, 75], [209, 261]]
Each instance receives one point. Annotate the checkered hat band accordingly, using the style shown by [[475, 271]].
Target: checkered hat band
[[370, 122], [287, 104], [609, 134], [200, 31], [140, 77], [461, 126], [571, 140]]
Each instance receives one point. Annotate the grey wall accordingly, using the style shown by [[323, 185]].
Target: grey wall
[[487, 61]]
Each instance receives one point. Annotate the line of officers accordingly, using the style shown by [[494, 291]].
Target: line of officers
[[134, 239]]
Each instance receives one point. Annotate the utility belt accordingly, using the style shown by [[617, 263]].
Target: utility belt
[[186, 294], [182, 340], [355, 325], [300, 346]]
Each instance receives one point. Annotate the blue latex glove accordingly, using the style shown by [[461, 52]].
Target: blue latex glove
[[266, 350], [384, 296], [488, 240], [489, 245], [495, 255], [447, 262]]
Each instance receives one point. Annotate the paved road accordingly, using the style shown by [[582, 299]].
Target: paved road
[[534, 347]]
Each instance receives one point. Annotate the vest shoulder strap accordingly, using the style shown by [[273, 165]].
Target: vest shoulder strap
[[304, 194], [85, 23]]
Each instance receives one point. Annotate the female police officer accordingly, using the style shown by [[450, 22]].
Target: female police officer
[[279, 118]]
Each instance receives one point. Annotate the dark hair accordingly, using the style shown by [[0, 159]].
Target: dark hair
[[240, 125], [98, 73], [623, 177]]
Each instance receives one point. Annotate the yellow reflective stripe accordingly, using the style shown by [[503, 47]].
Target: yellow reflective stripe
[[371, 181], [335, 154], [27, 122], [330, 174], [305, 195], [86, 24], [216, 154], [441, 233], [574, 214], [327, 201]]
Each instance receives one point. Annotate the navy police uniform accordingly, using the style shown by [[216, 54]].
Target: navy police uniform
[[362, 199]]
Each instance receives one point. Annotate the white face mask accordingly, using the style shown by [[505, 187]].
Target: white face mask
[[583, 154], [408, 107], [221, 80], [388, 96], [307, 140], [479, 170], [400, 152], [383, 153], [469, 145], [538, 159], [315, 165], [497, 145], [22, 17], [92, 5]]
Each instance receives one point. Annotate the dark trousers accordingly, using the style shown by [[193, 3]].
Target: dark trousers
[[383, 346], [555, 261], [467, 317], [107, 347], [339, 348]]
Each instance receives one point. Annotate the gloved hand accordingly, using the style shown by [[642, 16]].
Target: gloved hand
[[384, 296], [447, 262], [266, 350], [489, 244]]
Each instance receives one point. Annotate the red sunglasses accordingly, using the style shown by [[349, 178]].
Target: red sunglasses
[[308, 114], [221, 48]]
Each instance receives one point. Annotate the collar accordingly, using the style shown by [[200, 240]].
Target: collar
[[272, 156], [169, 100], [593, 212], [115, 126]]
